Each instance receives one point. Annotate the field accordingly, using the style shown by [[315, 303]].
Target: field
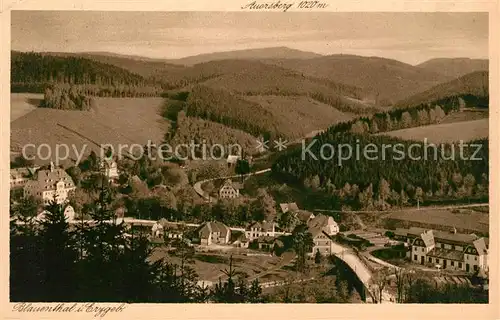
[[465, 116], [208, 266], [298, 116], [116, 121], [465, 220], [23, 103], [444, 133]]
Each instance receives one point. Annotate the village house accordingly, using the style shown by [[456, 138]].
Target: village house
[[239, 239], [110, 168], [260, 229], [448, 250], [214, 232], [322, 229], [69, 214], [20, 176], [232, 160], [303, 215], [266, 243], [285, 207], [48, 185], [230, 190]]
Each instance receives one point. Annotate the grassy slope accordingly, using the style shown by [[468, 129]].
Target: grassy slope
[[23, 103], [475, 84], [116, 121], [442, 133]]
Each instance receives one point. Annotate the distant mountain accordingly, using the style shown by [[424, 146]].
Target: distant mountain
[[455, 67], [33, 72], [249, 54], [473, 87], [385, 80]]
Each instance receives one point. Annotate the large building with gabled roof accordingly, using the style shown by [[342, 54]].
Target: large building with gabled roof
[[448, 250], [49, 185]]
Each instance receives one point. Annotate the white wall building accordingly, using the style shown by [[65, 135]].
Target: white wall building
[[49, 185], [449, 250]]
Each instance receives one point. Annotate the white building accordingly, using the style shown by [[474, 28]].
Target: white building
[[110, 168], [322, 228], [48, 185], [214, 232], [260, 229], [69, 214], [20, 176], [448, 250], [230, 190]]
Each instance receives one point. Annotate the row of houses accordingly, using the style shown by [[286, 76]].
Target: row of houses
[[446, 250], [265, 235]]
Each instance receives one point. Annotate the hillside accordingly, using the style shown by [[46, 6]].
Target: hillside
[[299, 116], [445, 133], [382, 80], [455, 67], [210, 133], [116, 121], [472, 87], [33, 72], [365, 177], [262, 79], [23, 103], [249, 54]]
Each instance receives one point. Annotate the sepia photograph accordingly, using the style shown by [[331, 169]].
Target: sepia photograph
[[249, 157]]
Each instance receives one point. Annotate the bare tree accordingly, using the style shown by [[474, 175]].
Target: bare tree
[[380, 281], [401, 277]]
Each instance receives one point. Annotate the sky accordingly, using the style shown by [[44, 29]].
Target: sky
[[407, 37]]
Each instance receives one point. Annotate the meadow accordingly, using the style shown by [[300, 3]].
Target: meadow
[[445, 132], [116, 121], [23, 103]]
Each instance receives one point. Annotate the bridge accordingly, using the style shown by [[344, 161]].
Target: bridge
[[364, 274]]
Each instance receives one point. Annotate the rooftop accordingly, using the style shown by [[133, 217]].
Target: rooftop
[[443, 235], [285, 207], [213, 226], [47, 180], [446, 254]]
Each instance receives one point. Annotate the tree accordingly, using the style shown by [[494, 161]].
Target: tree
[[318, 258], [406, 120], [264, 207], [384, 190], [288, 220], [400, 275], [302, 244], [315, 182], [242, 167], [440, 114], [403, 197], [26, 207], [380, 281], [419, 194], [469, 183]]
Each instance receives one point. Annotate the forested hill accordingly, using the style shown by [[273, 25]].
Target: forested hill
[[389, 174], [34, 72], [472, 87]]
